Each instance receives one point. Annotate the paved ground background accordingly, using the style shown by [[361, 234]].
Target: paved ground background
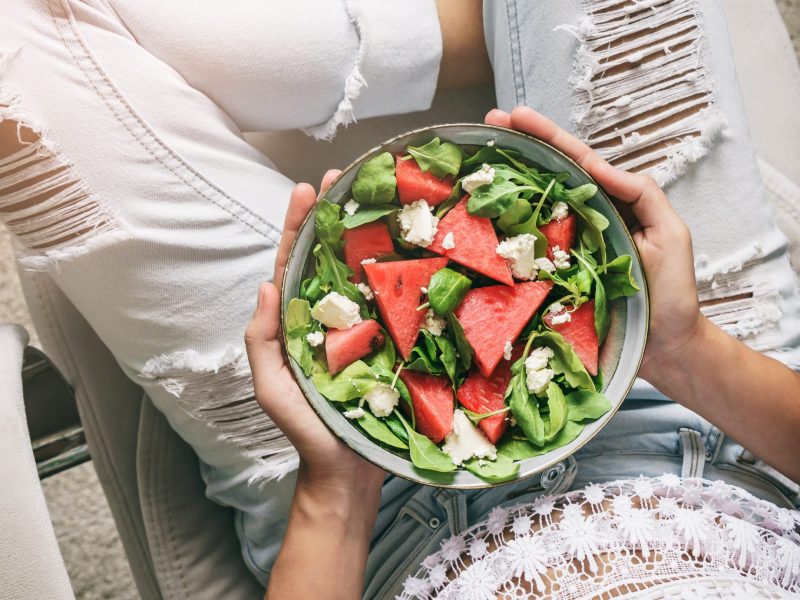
[[86, 532]]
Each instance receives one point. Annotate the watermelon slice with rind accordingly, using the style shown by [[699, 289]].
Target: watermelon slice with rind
[[560, 233], [475, 243], [367, 241], [398, 287], [345, 346], [432, 397], [415, 184], [492, 315], [580, 333]]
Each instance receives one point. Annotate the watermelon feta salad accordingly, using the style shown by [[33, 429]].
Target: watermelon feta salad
[[456, 305]]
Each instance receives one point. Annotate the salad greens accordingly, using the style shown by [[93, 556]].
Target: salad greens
[[545, 391]]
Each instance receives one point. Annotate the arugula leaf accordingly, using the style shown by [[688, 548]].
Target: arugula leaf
[[494, 471], [447, 355], [520, 211], [594, 222], [557, 406], [602, 320], [298, 325], [379, 430], [424, 453], [525, 409], [352, 383], [565, 361], [368, 214], [478, 417], [491, 155], [439, 158], [393, 423], [618, 280], [446, 290], [453, 199], [327, 223], [335, 273], [517, 449], [585, 404], [376, 181], [465, 351], [310, 289], [496, 198]]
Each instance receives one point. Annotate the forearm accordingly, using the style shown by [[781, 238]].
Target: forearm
[[749, 396], [465, 61], [327, 541]]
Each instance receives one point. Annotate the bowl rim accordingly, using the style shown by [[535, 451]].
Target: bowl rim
[[480, 484]]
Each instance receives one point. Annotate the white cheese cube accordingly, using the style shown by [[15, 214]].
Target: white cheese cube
[[560, 211], [449, 241], [520, 253], [382, 399], [479, 178], [560, 258], [315, 338], [337, 311], [466, 441], [417, 224], [351, 206], [433, 322], [366, 290], [356, 413]]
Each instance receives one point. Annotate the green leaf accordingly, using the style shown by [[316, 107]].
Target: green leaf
[[478, 417], [376, 181], [465, 351], [524, 408], [594, 222], [602, 319], [447, 355], [453, 199], [557, 406], [380, 431], [439, 158], [298, 325], [519, 212], [618, 279], [424, 453], [386, 356], [565, 361], [393, 423], [446, 290], [327, 224], [352, 383], [585, 404], [310, 289], [491, 155], [516, 449], [368, 214], [335, 273], [494, 199], [494, 471]]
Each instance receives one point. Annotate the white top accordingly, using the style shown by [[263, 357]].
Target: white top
[[662, 537]]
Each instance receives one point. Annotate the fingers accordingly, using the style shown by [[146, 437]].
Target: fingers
[[327, 180], [498, 117]]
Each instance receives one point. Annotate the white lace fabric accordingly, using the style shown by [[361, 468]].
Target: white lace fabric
[[662, 537]]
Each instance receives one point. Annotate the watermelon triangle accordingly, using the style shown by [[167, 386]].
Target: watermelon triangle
[[415, 184], [397, 288], [432, 398], [367, 241], [493, 315], [560, 233], [475, 243], [580, 333]]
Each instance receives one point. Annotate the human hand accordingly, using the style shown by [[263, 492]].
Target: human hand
[[328, 469], [662, 238]]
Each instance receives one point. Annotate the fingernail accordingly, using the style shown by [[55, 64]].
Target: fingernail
[[497, 113], [262, 292]]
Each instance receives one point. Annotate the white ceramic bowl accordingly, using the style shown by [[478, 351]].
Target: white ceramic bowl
[[620, 355]]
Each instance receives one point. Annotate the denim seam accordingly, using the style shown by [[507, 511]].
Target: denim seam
[[515, 52], [399, 569], [188, 175], [248, 553], [756, 477]]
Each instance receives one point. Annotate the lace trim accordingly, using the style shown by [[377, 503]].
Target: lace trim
[[662, 537]]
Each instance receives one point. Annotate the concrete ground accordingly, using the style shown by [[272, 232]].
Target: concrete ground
[[86, 533]]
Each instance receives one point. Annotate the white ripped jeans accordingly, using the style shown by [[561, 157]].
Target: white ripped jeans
[[133, 187]]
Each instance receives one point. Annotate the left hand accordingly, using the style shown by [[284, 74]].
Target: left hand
[[327, 466]]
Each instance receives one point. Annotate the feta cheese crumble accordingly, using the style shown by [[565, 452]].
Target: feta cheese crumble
[[545, 264], [423, 289], [560, 314], [466, 441], [520, 253], [560, 211], [337, 311], [356, 413], [433, 322], [351, 206], [366, 290], [479, 178], [507, 350], [538, 376], [560, 258], [490, 143], [382, 399], [369, 261], [417, 224], [315, 338], [449, 241]]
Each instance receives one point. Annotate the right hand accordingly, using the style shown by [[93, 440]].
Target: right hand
[[661, 236]]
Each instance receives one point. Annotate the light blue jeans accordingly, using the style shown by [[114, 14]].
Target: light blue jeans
[[719, 195]]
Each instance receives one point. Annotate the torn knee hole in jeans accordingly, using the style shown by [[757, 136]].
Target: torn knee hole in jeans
[[219, 392], [51, 212], [644, 96]]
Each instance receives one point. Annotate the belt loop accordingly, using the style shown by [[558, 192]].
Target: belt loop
[[694, 453]]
